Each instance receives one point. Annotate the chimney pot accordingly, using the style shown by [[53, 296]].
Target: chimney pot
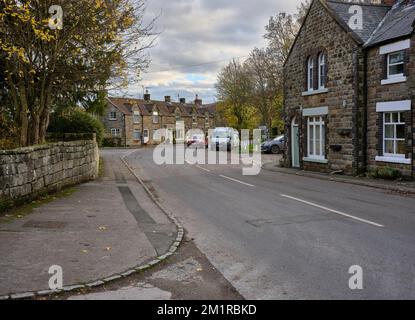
[[198, 101], [182, 100], [147, 96], [167, 99]]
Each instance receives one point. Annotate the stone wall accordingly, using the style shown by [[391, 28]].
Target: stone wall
[[386, 93], [322, 34], [26, 173]]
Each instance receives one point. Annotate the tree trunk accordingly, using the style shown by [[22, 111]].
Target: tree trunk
[[24, 121], [34, 129]]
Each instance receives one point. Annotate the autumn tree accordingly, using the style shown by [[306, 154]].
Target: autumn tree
[[101, 44], [235, 89], [266, 77]]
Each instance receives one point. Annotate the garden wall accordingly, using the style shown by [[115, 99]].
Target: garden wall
[[26, 173]]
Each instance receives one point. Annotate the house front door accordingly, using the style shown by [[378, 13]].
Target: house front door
[[295, 144]]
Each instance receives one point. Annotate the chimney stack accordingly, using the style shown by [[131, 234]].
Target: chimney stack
[[198, 101], [182, 100], [147, 96], [167, 99]]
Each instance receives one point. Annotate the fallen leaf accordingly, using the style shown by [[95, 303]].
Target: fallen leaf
[[108, 248], [199, 269], [102, 228], [84, 251]]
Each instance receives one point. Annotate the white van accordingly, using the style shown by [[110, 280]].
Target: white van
[[224, 139]]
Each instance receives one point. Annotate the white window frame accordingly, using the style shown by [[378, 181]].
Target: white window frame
[[139, 135], [389, 65], [312, 123], [115, 132], [310, 74], [395, 139], [321, 71], [110, 116], [156, 116], [136, 117]]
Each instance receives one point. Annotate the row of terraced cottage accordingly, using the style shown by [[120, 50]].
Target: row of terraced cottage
[[134, 122], [349, 91]]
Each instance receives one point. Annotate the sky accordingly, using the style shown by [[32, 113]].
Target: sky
[[199, 37]]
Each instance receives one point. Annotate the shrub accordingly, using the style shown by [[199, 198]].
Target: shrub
[[77, 122], [386, 173], [111, 142], [9, 134]]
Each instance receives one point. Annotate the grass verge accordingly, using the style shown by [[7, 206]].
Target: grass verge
[[25, 209]]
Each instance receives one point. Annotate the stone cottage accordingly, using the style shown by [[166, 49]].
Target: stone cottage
[[349, 88], [133, 122]]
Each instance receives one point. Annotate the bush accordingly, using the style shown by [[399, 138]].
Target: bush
[[111, 142], [77, 122], [9, 134], [386, 173]]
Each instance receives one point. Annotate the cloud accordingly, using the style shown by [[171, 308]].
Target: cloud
[[198, 37]]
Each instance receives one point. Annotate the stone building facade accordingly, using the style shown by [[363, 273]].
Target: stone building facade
[[335, 82], [135, 121]]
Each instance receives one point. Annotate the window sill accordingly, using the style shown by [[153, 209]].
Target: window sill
[[394, 160], [319, 91], [394, 80], [316, 160]]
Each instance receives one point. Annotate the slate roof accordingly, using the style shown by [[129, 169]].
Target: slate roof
[[372, 16], [125, 105], [398, 23]]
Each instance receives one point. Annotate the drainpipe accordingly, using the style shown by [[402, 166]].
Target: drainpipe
[[365, 104]]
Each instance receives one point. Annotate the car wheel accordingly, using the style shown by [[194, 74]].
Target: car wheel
[[275, 150]]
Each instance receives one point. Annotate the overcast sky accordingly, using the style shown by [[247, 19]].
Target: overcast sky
[[198, 37]]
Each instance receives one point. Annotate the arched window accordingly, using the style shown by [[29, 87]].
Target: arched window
[[321, 71], [310, 74]]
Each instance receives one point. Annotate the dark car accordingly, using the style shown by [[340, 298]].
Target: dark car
[[273, 146]]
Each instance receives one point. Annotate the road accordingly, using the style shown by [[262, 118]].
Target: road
[[278, 236]]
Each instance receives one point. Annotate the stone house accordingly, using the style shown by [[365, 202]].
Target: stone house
[[349, 89], [134, 122]]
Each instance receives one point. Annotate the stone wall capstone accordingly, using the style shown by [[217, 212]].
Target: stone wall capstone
[[26, 173]]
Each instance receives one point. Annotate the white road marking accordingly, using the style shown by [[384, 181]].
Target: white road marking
[[334, 211], [238, 181], [204, 169]]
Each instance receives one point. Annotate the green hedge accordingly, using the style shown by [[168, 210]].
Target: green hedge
[[386, 173], [77, 122]]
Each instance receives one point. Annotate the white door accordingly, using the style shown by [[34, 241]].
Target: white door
[[146, 136], [295, 144]]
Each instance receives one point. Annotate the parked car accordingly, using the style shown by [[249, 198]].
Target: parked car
[[197, 141], [274, 146], [224, 139]]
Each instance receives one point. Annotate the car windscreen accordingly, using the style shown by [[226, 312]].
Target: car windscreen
[[220, 134]]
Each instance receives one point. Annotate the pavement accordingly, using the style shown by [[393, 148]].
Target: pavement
[[272, 164], [188, 275], [104, 228], [284, 236]]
